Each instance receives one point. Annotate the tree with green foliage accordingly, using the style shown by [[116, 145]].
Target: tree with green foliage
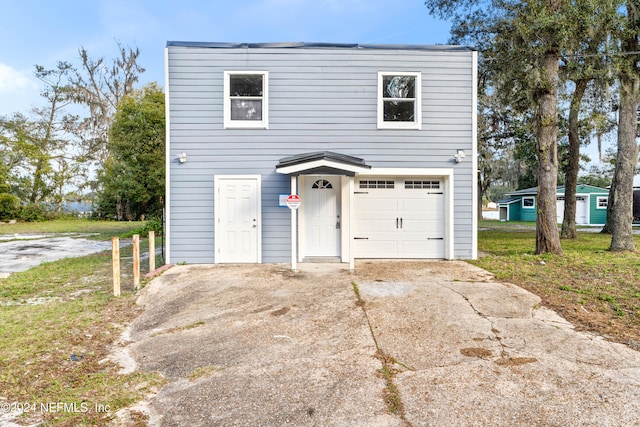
[[38, 147], [133, 177], [584, 64], [521, 43]]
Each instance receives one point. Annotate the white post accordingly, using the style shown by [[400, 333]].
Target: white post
[[294, 228], [352, 221], [136, 261]]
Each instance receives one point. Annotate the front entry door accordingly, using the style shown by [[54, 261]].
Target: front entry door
[[322, 220], [236, 223]]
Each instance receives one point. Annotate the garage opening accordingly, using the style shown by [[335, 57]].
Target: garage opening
[[399, 217]]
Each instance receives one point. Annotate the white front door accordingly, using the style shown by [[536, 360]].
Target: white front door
[[236, 224], [322, 220]]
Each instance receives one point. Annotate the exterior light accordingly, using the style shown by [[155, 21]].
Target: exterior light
[[182, 157], [459, 156]]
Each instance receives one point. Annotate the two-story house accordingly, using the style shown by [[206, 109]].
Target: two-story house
[[378, 142]]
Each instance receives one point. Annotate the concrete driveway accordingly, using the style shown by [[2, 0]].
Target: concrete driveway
[[391, 344]]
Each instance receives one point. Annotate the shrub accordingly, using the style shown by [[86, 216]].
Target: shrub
[[34, 213], [9, 206], [152, 224]]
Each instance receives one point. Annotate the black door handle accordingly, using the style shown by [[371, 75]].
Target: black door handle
[[396, 222], [400, 222]]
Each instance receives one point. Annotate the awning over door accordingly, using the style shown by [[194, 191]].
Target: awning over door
[[321, 163]]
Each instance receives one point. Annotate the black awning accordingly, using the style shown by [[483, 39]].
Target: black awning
[[321, 163]]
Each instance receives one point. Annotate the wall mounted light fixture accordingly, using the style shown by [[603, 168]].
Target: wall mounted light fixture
[[459, 156], [182, 157]]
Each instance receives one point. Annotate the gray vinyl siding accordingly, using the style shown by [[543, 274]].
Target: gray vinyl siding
[[320, 99]]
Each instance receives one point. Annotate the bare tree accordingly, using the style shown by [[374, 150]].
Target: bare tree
[[100, 86]]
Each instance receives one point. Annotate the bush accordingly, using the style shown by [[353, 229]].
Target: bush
[[34, 213], [9, 206], [152, 224]]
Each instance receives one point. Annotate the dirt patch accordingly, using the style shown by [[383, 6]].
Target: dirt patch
[[597, 316], [280, 312]]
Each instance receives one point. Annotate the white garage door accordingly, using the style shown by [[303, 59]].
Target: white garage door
[[399, 218], [581, 209]]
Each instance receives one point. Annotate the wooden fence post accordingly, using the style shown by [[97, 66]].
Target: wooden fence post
[[136, 261], [152, 251], [115, 263]]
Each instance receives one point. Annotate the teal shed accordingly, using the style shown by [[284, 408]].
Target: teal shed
[[591, 205]]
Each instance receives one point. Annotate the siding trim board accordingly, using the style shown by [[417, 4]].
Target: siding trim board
[[298, 45], [323, 103]]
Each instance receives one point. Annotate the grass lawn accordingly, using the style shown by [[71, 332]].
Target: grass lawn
[[595, 289], [52, 353], [103, 230]]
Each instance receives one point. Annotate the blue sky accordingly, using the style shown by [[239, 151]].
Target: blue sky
[[45, 32]]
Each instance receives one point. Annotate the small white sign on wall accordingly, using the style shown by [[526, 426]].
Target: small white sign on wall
[[282, 200], [293, 201]]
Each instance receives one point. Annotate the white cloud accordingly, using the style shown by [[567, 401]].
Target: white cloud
[[18, 90], [13, 81]]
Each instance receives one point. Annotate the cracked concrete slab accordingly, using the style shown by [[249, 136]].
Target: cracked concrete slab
[[27, 251], [261, 345]]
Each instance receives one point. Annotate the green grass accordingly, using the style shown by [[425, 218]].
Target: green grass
[[103, 230], [80, 317], [593, 287]]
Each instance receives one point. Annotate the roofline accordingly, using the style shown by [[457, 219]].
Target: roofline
[[534, 190], [319, 45]]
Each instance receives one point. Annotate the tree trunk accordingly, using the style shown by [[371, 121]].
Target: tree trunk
[[547, 236], [571, 172], [608, 225], [621, 193], [480, 194], [37, 185]]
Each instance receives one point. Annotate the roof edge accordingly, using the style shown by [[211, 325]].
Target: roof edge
[[319, 45]]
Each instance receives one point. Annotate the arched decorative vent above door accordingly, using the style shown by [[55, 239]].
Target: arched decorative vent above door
[[322, 183]]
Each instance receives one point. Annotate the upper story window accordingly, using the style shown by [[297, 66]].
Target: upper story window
[[246, 99], [399, 105]]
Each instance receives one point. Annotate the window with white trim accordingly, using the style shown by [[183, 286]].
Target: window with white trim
[[602, 202], [399, 100], [246, 99], [528, 202]]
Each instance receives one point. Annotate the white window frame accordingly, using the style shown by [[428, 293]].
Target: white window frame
[[417, 122], [243, 124], [527, 198], [598, 199]]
